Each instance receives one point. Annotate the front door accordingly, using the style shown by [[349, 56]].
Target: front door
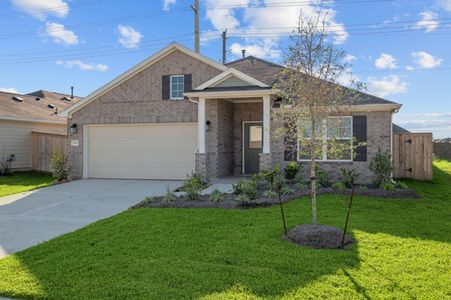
[[253, 146]]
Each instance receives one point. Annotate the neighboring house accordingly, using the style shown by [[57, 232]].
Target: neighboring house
[[399, 130], [20, 115], [179, 112]]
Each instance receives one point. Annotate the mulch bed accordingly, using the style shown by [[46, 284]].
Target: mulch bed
[[318, 236], [230, 202]]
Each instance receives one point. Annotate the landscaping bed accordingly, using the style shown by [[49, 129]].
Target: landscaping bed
[[230, 200]]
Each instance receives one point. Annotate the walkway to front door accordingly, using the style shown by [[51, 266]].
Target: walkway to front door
[[252, 146]]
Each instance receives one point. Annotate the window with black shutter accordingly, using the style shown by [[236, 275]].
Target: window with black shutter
[[359, 129]]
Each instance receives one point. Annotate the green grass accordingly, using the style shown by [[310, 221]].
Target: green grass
[[19, 182], [403, 252]]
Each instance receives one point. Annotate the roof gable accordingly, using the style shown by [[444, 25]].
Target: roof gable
[[138, 68], [232, 78]]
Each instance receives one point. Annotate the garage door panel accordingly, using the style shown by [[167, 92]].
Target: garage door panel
[[151, 151]]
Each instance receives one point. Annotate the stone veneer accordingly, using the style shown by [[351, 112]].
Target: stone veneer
[[139, 100]]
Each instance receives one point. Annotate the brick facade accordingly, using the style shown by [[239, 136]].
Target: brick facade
[[139, 100]]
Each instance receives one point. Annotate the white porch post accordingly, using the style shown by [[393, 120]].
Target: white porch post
[[266, 124], [201, 125]]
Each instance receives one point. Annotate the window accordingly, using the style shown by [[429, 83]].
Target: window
[[255, 137], [336, 133], [177, 87]]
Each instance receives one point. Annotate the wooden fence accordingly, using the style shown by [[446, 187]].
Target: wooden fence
[[43, 145], [412, 156]]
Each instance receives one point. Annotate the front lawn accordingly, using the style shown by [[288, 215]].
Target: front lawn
[[19, 182], [403, 251]]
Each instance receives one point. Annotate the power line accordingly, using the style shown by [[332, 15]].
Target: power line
[[294, 4]]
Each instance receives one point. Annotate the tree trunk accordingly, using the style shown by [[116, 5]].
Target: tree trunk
[[313, 190]]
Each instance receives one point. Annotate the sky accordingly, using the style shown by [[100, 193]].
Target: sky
[[400, 49]]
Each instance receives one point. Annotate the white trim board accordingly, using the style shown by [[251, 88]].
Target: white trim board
[[138, 68], [231, 72]]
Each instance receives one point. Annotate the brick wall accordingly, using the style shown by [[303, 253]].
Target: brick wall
[[139, 100]]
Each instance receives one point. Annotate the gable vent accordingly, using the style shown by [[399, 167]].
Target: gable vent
[[51, 106], [37, 99], [17, 98], [65, 98]]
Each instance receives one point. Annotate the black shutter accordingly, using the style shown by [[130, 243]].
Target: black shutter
[[187, 83], [359, 131], [165, 89], [290, 143]]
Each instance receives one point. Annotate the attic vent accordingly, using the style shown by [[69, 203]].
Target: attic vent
[[66, 98], [18, 99], [37, 98], [51, 106]]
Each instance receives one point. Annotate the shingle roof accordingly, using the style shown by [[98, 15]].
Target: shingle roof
[[399, 129], [35, 105], [266, 72]]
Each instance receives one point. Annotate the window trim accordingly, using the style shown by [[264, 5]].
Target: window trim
[[170, 86], [324, 156]]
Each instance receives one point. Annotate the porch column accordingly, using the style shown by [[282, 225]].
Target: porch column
[[201, 125], [266, 124]]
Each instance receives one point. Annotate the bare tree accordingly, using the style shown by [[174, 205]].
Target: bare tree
[[311, 97]]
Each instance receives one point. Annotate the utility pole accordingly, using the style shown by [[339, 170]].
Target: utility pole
[[195, 8], [224, 46]]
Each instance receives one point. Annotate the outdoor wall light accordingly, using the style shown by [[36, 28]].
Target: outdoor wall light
[[208, 125], [73, 129]]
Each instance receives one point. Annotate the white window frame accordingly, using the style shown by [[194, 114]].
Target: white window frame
[[324, 157], [170, 87]]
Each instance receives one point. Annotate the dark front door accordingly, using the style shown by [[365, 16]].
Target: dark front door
[[253, 146]]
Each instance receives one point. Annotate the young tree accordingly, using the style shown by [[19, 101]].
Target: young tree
[[307, 85]]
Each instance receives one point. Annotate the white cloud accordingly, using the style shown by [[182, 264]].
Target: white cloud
[[9, 90], [428, 21], [262, 49], [437, 123], [445, 4], [350, 58], [410, 68], [388, 85], [347, 78], [60, 34], [129, 37], [425, 60], [385, 61], [263, 22], [82, 65], [42, 8], [167, 4]]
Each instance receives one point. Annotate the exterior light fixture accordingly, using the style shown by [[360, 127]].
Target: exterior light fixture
[[208, 125], [73, 129]]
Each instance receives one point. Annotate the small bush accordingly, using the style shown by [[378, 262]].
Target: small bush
[[238, 186], [169, 197], [348, 177], [150, 199], [270, 174], [242, 199], [192, 192], [401, 185], [193, 181], [301, 184], [381, 166], [6, 169], [339, 186], [323, 177], [216, 196], [291, 170], [250, 189], [388, 186], [270, 194], [59, 168], [285, 190]]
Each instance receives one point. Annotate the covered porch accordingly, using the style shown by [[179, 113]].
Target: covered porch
[[234, 132]]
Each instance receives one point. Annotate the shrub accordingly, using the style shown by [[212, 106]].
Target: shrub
[[348, 177], [216, 196], [270, 174], [150, 199], [250, 189], [291, 170], [169, 197], [6, 169], [238, 186], [339, 186], [381, 166], [323, 177], [301, 184], [242, 199], [388, 186], [270, 194], [192, 192], [60, 169], [193, 181], [401, 185], [285, 190]]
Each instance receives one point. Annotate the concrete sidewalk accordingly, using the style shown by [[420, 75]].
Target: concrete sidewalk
[[31, 218]]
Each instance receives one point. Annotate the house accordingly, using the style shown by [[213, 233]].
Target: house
[[179, 112], [20, 115]]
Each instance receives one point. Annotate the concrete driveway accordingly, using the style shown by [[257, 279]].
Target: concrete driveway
[[31, 218]]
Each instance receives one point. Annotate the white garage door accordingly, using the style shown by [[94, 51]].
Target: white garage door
[[150, 151]]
